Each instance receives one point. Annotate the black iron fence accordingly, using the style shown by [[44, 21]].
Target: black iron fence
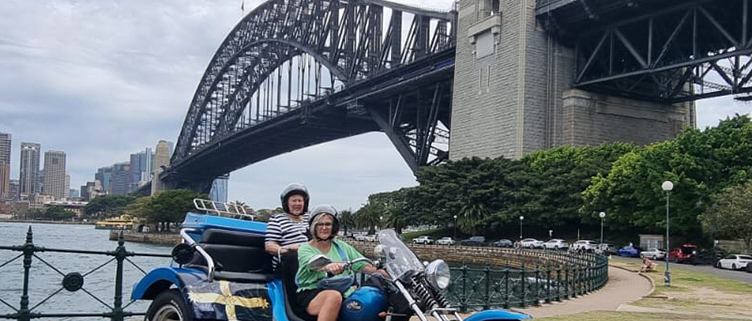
[[71, 282], [505, 287]]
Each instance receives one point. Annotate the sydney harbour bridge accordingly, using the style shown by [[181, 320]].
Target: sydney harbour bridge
[[295, 73]]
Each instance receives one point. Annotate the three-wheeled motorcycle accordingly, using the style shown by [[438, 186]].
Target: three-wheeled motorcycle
[[221, 271]]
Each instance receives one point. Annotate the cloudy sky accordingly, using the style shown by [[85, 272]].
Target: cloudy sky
[[103, 79]]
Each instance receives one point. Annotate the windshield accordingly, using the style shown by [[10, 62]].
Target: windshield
[[399, 258]]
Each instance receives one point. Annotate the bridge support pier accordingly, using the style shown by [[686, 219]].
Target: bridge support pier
[[591, 119]]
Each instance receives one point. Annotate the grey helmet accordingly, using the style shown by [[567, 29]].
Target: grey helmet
[[294, 189], [316, 214]]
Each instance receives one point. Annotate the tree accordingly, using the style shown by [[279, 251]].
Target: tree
[[107, 206], [731, 214], [169, 207], [346, 220], [58, 213]]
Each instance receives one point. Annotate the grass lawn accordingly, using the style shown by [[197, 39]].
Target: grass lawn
[[630, 316], [705, 295]]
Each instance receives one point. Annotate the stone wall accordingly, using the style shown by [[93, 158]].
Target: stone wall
[[153, 238]]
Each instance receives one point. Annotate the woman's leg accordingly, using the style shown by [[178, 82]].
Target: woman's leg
[[325, 306]]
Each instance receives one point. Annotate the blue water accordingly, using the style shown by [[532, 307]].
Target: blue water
[[45, 280]]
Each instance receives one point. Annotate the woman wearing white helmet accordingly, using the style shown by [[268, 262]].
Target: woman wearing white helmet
[[286, 231], [325, 303]]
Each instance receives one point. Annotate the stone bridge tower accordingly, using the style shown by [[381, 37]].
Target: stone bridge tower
[[513, 94]]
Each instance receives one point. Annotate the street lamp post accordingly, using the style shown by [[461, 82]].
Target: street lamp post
[[455, 227], [521, 218], [667, 186], [602, 216]]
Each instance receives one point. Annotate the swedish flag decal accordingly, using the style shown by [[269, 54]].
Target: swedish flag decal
[[230, 301]]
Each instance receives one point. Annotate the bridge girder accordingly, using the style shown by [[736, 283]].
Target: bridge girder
[[354, 41], [665, 51]]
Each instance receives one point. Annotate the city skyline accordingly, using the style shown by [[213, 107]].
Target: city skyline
[[101, 81]]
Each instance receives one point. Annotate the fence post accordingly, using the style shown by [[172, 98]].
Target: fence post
[[537, 285], [487, 272], [120, 255], [523, 286], [506, 287], [463, 300], [24, 314], [548, 283], [558, 283]]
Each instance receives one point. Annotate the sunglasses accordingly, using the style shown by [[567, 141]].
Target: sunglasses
[[325, 224]]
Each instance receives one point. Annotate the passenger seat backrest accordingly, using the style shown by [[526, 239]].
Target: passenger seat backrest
[[235, 251]]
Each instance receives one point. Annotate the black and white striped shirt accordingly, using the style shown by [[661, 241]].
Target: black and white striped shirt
[[284, 231]]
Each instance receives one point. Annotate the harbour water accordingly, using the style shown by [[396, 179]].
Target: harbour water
[[98, 270]]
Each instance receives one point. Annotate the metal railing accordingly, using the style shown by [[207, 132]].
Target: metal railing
[[505, 287], [72, 282]]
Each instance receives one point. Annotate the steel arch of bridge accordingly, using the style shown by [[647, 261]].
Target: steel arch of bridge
[[664, 50], [354, 41]]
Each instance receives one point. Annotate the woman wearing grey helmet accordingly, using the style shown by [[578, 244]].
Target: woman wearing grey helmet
[[286, 231], [325, 303]]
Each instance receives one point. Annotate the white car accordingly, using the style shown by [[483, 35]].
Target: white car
[[446, 240], [422, 240], [654, 254], [531, 243], [734, 262], [583, 245], [555, 244]]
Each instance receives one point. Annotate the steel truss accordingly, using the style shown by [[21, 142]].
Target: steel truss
[[682, 52], [287, 54]]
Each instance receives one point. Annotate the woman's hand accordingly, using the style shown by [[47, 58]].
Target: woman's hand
[[334, 268], [383, 273]]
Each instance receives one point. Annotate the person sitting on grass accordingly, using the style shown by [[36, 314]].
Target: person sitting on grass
[[647, 265]]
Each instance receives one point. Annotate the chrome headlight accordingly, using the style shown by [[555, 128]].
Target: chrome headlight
[[437, 273]]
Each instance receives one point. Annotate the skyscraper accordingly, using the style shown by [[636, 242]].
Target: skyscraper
[[54, 174], [119, 182], [4, 165], [103, 175], [141, 168], [29, 176]]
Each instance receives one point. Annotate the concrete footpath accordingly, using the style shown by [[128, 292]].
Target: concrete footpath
[[623, 287]]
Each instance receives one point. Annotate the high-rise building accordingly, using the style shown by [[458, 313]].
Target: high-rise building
[[86, 190], [218, 190], [54, 174], [29, 176], [142, 165], [103, 175], [67, 185], [4, 165], [14, 193], [119, 182]]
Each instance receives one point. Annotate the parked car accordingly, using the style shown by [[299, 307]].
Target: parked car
[[503, 243], [556, 244], [683, 254], [606, 248], [446, 240], [583, 246], [370, 238], [734, 262], [531, 243], [654, 254], [629, 251], [423, 239], [474, 241]]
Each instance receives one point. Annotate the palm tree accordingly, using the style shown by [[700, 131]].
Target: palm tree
[[346, 219], [471, 216]]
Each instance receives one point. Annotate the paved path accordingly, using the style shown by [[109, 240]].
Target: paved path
[[742, 276], [623, 287]]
